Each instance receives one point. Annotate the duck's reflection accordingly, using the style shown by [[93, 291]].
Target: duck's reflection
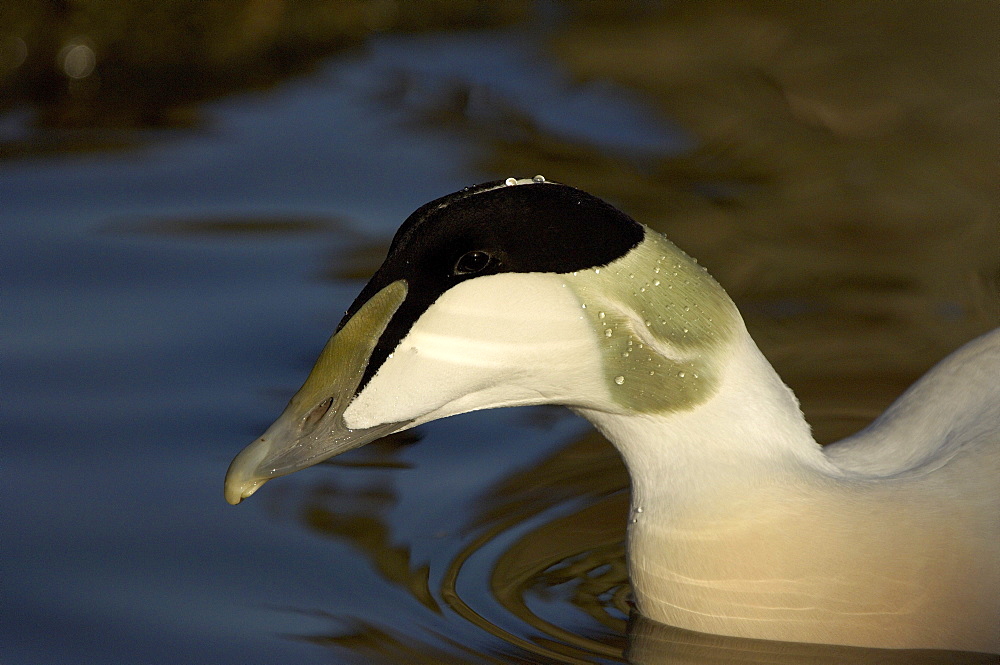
[[359, 516], [652, 643]]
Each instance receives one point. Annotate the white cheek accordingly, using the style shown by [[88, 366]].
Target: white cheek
[[502, 340]]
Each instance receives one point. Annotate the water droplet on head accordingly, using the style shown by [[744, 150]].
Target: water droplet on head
[[656, 282], [510, 181], [601, 315], [584, 305], [597, 271], [538, 178], [619, 379], [607, 332], [681, 374]]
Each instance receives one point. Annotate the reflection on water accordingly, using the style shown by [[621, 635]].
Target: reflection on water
[[834, 165], [655, 644]]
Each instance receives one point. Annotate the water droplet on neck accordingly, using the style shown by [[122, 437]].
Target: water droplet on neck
[[601, 315], [619, 379], [607, 332]]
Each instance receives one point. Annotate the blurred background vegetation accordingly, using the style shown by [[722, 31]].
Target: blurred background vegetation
[[148, 63]]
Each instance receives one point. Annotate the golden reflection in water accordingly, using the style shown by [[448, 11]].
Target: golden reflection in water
[[582, 549], [652, 643]]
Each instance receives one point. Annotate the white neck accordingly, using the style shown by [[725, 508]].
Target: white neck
[[741, 526], [744, 435]]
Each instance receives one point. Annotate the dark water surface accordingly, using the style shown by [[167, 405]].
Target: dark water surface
[[169, 272]]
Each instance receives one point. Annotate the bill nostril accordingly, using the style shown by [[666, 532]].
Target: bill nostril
[[313, 417]]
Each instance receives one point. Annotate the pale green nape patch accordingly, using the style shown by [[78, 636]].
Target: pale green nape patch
[[662, 324]]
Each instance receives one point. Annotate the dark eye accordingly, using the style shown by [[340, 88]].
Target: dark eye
[[471, 263]]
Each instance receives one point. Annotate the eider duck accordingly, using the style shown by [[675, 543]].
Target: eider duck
[[524, 292]]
